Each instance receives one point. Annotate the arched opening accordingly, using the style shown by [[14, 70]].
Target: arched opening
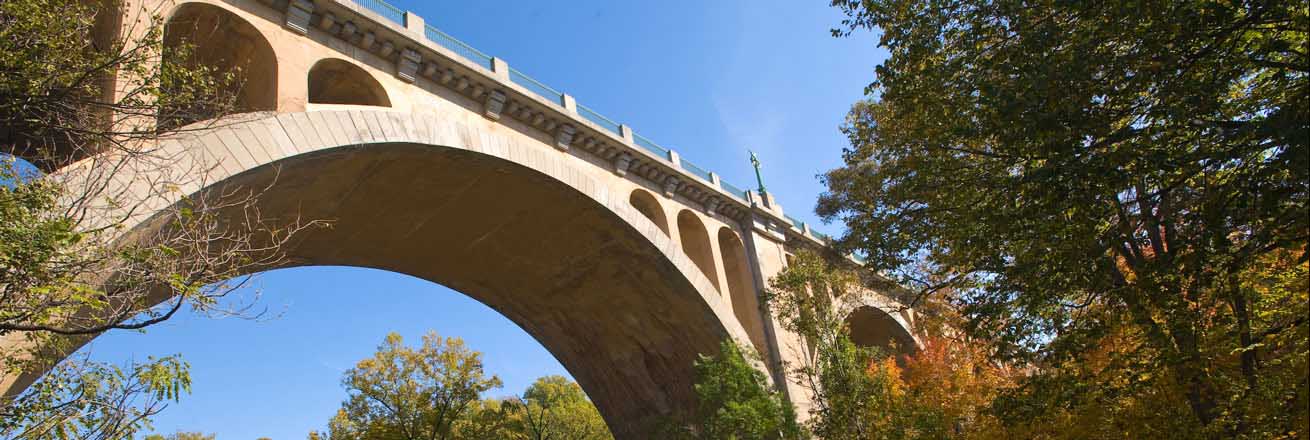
[[696, 244], [741, 289], [564, 261], [871, 327], [240, 62], [649, 207], [329, 317], [85, 98], [334, 81]]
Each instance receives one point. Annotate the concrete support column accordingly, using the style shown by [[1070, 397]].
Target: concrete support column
[[765, 248]]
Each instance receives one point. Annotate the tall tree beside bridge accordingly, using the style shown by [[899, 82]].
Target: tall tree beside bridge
[[82, 89], [1117, 190]]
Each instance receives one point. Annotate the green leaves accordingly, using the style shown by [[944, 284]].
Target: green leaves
[[412, 393], [1080, 172], [434, 392], [167, 378], [736, 401], [81, 399], [553, 407]]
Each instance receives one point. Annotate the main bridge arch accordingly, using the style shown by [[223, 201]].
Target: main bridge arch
[[526, 232]]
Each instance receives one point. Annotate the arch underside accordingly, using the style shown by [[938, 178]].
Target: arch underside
[[607, 304], [873, 326], [508, 223]]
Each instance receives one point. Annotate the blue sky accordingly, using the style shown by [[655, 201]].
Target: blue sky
[[708, 79]]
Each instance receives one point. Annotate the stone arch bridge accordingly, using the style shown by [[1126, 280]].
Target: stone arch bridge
[[622, 258]]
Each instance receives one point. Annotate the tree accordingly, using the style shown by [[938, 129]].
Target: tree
[[734, 400], [408, 393], [852, 395], [82, 85], [553, 407], [1097, 179], [180, 435], [486, 418], [943, 389], [86, 400]]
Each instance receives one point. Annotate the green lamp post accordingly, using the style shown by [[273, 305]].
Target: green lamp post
[[759, 180]]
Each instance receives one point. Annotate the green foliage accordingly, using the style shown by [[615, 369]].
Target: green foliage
[[1098, 185], [433, 393], [553, 407], [71, 83], [734, 400], [87, 82], [403, 392], [180, 435], [855, 392], [84, 400]]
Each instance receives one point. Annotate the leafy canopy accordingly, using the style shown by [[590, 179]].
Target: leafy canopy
[[1092, 173], [411, 393]]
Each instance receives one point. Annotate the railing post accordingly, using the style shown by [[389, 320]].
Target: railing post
[[568, 102], [414, 24], [626, 133], [500, 68]]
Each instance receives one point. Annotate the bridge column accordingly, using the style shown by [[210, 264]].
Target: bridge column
[[765, 241]]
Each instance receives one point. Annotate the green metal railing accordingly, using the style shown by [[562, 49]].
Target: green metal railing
[[650, 146], [384, 9], [459, 47], [794, 222], [733, 189], [695, 170], [598, 119], [535, 86]]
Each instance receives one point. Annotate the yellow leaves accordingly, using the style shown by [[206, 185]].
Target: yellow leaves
[[888, 369], [413, 392]]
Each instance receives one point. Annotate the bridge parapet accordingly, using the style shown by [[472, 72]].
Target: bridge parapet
[[394, 34]]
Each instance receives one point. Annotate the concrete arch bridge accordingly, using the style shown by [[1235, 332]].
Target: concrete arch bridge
[[622, 258]]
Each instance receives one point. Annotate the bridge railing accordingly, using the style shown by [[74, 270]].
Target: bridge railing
[[695, 170], [470, 53], [445, 40], [386, 10], [650, 146], [733, 189], [535, 86], [599, 119]]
